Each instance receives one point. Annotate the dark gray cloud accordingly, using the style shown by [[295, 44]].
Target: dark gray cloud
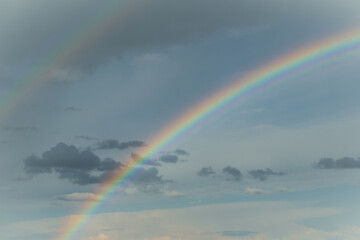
[[232, 173], [341, 163], [262, 175], [115, 144], [20, 128], [82, 177], [181, 152], [206, 171], [99, 33], [79, 167], [84, 167], [174, 156], [169, 158], [237, 233]]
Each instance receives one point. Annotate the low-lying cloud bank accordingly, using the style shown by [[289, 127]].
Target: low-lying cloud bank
[[341, 163]]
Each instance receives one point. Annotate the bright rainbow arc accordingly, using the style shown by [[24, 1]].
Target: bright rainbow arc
[[266, 75]]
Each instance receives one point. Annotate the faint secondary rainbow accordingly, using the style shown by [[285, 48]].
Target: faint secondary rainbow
[[68, 48], [276, 70]]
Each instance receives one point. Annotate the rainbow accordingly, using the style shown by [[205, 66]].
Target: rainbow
[[68, 47], [279, 69]]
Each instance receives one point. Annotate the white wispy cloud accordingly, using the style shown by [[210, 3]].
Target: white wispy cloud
[[254, 191], [172, 193], [78, 196]]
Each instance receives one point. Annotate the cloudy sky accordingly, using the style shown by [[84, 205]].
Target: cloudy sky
[[86, 84]]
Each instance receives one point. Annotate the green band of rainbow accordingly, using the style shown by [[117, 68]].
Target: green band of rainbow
[[280, 68]]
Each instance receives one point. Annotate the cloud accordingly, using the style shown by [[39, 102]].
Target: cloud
[[152, 188], [174, 156], [232, 173], [150, 175], [181, 152], [342, 163], [72, 164], [149, 162], [169, 158], [82, 177], [123, 27], [282, 190], [172, 194], [84, 167], [115, 144], [206, 171], [254, 191], [78, 197], [85, 137], [263, 174], [236, 233], [99, 237], [164, 238], [131, 190], [149, 178], [276, 219], [259, 191], [62, 156]]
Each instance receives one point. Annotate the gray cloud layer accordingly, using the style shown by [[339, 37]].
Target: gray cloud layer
[[262, 175], [342, 163], [98, 31]]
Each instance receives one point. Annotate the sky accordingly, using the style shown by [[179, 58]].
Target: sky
[[85, 85]]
